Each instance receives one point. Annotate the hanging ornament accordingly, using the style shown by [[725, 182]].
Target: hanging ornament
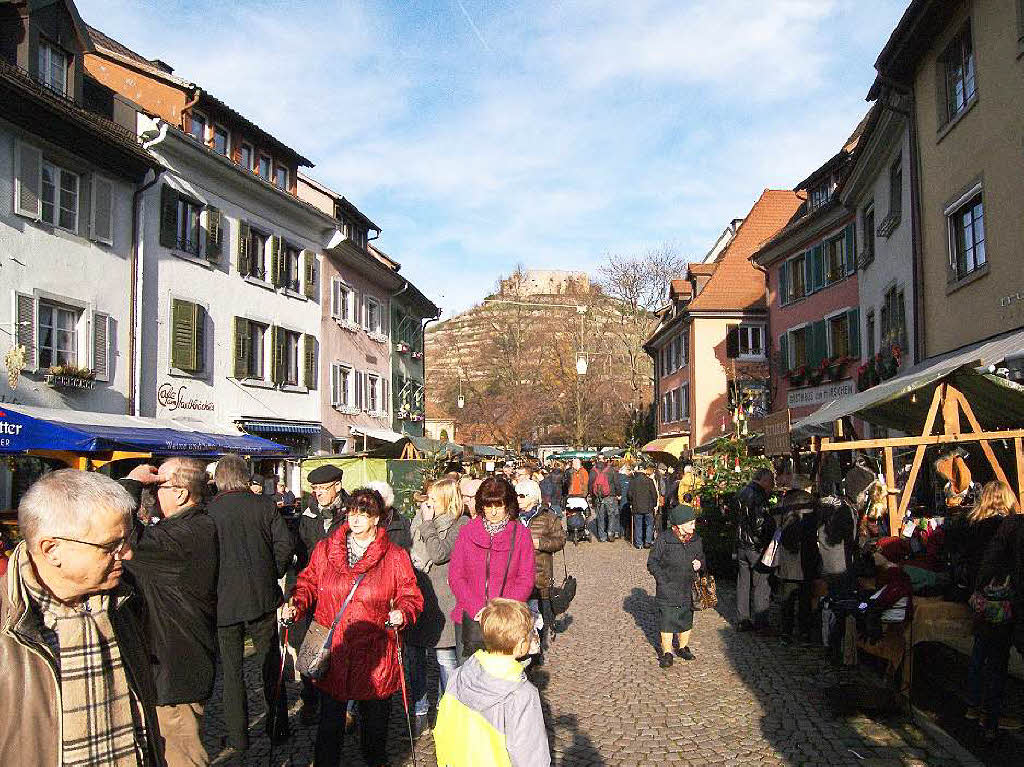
[[14, 361]]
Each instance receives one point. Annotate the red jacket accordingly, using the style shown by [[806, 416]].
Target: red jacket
[[364, 657]]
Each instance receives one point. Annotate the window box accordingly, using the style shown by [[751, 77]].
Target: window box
[[377, 336], [401, 347], [417, 355], [70, 377], [797, 375], [347, 409], [351, 327]]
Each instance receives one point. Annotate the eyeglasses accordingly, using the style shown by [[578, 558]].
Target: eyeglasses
[[110, 549]]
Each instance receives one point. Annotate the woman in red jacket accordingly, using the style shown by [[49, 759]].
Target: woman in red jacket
[[364, 656], [485, 564]]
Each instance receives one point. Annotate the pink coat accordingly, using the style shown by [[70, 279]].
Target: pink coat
[[475, 552]]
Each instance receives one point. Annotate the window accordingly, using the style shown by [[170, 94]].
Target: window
[[666, 414], [281, 177], [53, 68], [798, 346], [820, 195], [796, 272], [373, 404], [894, 320], [839, 335], [188, 336], [291, 267], [835, 259], [197, 127], [342, 388], [342, 300], [189, 213], [868, 219], [967, 238], [896, 188], [356, 234], [245, 156], [751, 339], [373, 315], [58, 335], [264, 167], [291, 358], [870, 330], [60, 197], [957, 66], [684, 400], [258, 254], [220, 140], [675, 404], [257, 336]]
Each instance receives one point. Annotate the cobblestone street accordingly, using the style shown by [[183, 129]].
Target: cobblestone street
[[744, 700]]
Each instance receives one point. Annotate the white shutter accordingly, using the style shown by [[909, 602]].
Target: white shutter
[[101, 225], [335, 291], [335, 384], [360, 390], [101, 346], [25, 328], [385, 402], [28, 181]]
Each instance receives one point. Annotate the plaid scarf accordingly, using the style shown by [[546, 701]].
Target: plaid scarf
[[101, 721]]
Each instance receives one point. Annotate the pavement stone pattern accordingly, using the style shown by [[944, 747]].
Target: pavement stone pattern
[[744, 700]]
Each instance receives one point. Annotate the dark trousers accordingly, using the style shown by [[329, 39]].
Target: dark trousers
[[748, 580], [986, 674], [231, 639], [373, 731], [796, 607]]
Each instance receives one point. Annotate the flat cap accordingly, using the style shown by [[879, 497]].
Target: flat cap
[[321, 475]]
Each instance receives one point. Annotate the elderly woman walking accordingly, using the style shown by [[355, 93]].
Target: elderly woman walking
[[548, 538], [675, 560]]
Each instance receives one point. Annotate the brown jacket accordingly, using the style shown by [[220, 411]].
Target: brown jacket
[[30, 719], [548, 530]]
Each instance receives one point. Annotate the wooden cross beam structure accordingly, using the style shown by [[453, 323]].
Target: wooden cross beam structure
[[952, 403]]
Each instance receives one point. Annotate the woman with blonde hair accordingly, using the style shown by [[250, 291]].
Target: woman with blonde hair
[[434, 530]]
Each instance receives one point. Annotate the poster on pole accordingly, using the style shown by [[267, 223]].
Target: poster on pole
[[776, 433]]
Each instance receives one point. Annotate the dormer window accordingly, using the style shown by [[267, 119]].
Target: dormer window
[[821, 194], [245, 156], [53, 68], [264, 167], [220, 140], [197, 127], [281, 177]]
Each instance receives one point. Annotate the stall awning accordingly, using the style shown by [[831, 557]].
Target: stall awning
[[902, 402], [281, 427], [435, 446], [384, 435], [24, 428], [667, 449], [485, 451]]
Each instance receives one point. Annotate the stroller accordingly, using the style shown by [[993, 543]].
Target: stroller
[[576, 513]]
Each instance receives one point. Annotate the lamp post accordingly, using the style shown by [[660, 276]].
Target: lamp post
[[581, 370]]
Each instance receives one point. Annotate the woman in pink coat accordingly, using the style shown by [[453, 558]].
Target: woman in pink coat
[[493, 557]]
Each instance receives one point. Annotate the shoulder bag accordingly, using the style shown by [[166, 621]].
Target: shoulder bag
[[472, 631], [705, 592], [314, 658], [562, 596], [993, 603]]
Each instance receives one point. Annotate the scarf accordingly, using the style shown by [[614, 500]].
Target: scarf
[[420, 558], [493, 528], [101, 720], [356, 549]]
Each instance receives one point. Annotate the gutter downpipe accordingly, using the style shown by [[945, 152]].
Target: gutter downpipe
[[134, 358]]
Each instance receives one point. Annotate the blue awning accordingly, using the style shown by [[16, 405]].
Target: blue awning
[[24, 428], [281, 427]]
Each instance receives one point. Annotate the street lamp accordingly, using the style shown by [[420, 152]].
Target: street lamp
[[461, 401], [581, 364]]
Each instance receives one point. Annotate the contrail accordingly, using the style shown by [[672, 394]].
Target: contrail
[[476, 31]]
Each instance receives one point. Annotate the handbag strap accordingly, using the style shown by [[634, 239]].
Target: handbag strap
[[564, 565], [344, 605], [508, 562]]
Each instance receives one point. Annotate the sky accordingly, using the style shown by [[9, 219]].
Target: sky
[[484, 134]]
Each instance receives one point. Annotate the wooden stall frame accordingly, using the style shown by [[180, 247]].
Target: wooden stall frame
[[952, 402]]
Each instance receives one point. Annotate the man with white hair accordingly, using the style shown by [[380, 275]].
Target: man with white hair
[[76, 687], [395, 524]]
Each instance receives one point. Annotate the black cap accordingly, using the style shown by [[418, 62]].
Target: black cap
[[321, 475]]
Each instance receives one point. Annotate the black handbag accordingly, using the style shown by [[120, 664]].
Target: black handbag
[[562, 596], [314, 657], [472, 631]]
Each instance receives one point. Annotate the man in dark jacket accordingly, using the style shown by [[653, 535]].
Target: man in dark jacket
[[604, 487], [175, 567], [326, 508], [556, 478], [642, 494], [255, 551], [754, 530]]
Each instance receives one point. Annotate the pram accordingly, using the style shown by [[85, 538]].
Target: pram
[[576, 513]]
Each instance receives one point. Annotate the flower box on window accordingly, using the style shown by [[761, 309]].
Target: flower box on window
[[401, 347], [351, 327], [70, 377], [347, 409], [376, 336], [797, 375]]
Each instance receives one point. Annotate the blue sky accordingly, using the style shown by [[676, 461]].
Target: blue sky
[[482, 134]]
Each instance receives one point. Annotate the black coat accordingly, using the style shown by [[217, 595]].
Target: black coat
[[255, 551], [671, 564], [642, 494], [399, 529], [312, 530], [754, 525], [175, 569]]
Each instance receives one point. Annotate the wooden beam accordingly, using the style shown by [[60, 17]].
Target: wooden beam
[[1018, 449], [986, 448], [895, 520], [935, 439], [929, 424], [951, 411]]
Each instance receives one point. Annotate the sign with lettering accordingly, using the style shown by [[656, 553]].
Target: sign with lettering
[[176, 398], [776, 433], [819, 395]]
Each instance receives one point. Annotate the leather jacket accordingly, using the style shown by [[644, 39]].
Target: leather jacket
[[755, 525]]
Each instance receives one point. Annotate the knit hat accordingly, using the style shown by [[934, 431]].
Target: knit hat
[[681, 514]]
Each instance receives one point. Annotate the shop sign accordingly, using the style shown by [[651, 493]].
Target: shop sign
[[176, 398], [819, 395], [776, 428]]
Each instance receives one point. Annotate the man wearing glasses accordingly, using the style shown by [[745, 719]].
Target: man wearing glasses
[[76, 686], [175, 566]]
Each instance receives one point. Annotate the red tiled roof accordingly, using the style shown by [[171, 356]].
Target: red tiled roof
[[736, 283], [702, 269], [680, 288]]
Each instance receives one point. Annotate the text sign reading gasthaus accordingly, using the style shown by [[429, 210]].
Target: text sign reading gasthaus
[[819, 395]]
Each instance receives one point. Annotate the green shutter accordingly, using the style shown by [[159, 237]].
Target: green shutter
[[276, 262], [184, 354], [309, 354], [850, 256], [244, 256], [808, 274], [817, 344], [277, 361], [853, 317], [309, 287], [817, 256], [784, 352], [168, 217], [784, 283], [214, 234], [242, 344]]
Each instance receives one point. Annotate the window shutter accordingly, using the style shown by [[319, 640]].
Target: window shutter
[[384, 393], [853, 317], [820, 346], [784, 283], [101, 223], [277, 355], [244, 256], [310, 284], [309, 355], [25, 328], [784, 352], [732, 342], [168, 217], [849, 256], [808, 273], [817, 257], [335, 307], [214, 233], [28, 181], [276, 262], [335, 384], [100, 346], [360, 398], [242, 343], [185, 335]]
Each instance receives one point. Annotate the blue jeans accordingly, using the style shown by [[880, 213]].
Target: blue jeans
[[643, 529], [986, 674], [607, 522], [416, 660]]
